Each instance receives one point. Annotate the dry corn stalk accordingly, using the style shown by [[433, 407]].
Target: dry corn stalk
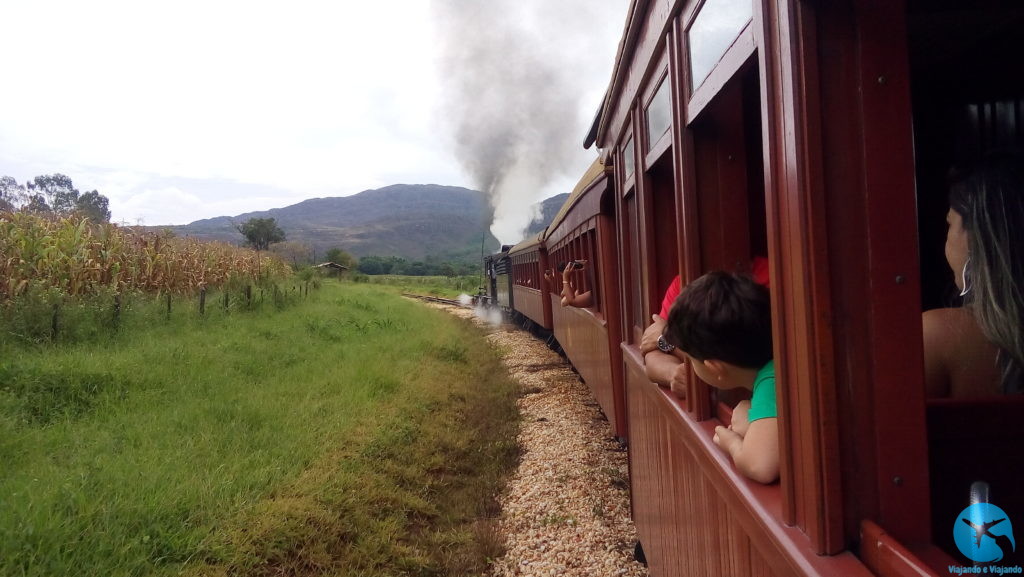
[[80, 257]]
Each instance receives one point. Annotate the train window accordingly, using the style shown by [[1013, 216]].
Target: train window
[[964, 104], [659, 112], [629, 158], [730, 192], [664, 252], [633, 282], [712, 32], [590, 252]]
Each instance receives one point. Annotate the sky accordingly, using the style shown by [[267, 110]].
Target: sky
[[179, 111]]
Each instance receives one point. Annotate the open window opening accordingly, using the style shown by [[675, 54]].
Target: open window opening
[[589, 251], [664, 253], [730, 194], [967, 99], [632, 275], [579, 247]]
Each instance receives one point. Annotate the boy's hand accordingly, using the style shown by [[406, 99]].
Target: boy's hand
[[756, 455], [680, 377], [728, 440], [740, 419], [649, 342]]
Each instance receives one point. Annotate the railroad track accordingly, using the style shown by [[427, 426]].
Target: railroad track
[[434, 299]]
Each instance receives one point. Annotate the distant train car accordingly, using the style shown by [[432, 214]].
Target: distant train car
[[531, 290], [817, 134], [499, 279], [584, 229]]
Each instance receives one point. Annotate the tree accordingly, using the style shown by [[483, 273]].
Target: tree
[[57, 192], [260, 233], [93, 206], [293, 251], [417, 268], [12, 194], [371, 265], [36, 203], [395, 265], [342, 257]]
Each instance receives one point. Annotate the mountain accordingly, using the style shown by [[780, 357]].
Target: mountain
[[545, 211], [412, 221]]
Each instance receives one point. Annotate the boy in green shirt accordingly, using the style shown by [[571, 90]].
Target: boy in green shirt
[[722, 324]]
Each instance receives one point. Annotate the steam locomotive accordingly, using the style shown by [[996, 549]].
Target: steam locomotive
[[818, 134]]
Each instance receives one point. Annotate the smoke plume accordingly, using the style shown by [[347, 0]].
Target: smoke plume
[[523, 80]]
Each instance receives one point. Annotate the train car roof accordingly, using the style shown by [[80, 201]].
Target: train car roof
[[592, 175], [630, 33], [528, 243]]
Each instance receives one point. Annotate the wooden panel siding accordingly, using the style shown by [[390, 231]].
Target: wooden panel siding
[[583, 336], [529, 304], [586, 208], [648, 36], [694, 513]]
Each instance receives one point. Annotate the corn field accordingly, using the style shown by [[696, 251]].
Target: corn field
[[79, 258]]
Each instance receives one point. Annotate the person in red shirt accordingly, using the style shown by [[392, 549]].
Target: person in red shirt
[[662, 363]]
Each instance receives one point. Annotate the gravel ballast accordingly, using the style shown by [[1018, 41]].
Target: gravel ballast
[[565, 511]]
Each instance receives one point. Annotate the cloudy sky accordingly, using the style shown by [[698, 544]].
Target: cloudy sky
[[178, 111]]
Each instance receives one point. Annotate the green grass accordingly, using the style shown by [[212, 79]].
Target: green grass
[[438, 286], [353, 433]]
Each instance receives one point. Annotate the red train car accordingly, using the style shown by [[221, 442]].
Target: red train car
[[530, 290], [817, 134], [584, 229]]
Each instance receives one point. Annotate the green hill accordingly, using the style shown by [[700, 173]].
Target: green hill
[[412, 221]]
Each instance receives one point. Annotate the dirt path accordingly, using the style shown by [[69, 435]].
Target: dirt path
[[566, 510]]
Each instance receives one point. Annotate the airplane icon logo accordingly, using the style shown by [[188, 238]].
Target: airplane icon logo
[[985, 534]]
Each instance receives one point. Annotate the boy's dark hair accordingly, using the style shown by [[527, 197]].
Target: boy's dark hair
[[725, 317]]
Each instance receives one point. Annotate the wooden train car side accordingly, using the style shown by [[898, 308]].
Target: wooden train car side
[[814, 134], [584, 230], [530, 289]]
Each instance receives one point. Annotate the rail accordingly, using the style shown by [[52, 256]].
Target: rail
[[434, 299]]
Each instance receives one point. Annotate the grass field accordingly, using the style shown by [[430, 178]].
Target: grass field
[[438, 286], [353, 433]]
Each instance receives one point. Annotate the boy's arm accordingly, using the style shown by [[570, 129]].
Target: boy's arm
[[756, 454], [649, 341], [740, 420], [660, 366]]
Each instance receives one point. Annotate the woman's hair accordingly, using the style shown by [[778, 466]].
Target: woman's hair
[[725, 317], [989, 196]]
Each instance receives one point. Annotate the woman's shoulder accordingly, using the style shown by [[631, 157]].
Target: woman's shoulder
[[950, 316], [959, 360], [949, 330]]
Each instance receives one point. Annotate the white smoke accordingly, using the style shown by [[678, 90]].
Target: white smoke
[[523, 80], [491, 315]]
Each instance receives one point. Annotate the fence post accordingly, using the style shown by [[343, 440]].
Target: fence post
[[168, 306], [248, 296], [117, 310], [226, 293], [54, 324], [202, 301]]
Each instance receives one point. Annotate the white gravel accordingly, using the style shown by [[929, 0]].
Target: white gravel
[[566, 509]]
